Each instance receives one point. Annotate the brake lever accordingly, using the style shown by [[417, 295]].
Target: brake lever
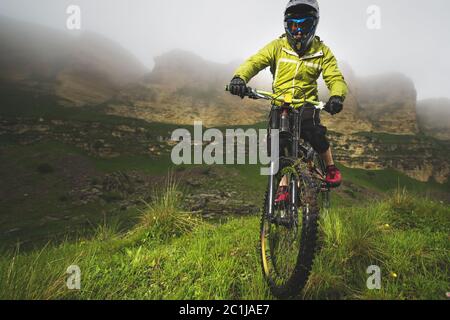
[[251, 93], [321, 106]]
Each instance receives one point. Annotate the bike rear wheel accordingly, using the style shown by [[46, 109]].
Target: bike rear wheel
[[288, 237]]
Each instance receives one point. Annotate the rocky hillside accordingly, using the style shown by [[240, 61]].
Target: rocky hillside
[[183, 88], [434, 117], [419, 157], [353, 119], [183, 81], [84, 69], [389, 101], [44, 71], [87, 69], [383, 103]]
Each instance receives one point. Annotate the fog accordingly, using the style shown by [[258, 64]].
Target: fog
[[413, 39]]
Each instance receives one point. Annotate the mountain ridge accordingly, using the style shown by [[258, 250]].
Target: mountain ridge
[[88, 69], [184, 88], [81, 69]]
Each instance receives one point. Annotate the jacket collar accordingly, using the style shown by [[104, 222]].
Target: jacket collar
[[314, 52]]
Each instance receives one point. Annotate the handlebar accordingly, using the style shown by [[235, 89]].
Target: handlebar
[[287, 99]]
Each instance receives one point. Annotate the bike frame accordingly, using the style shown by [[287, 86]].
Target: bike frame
[[293, 134], [288, 104]]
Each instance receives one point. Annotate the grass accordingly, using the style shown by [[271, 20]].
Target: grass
[[28, 216], [389, 180], [412, 258], [165, 215], [38, 205], [172, 254], [141, 163]]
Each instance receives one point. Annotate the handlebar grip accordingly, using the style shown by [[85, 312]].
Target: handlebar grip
[[247, 93]]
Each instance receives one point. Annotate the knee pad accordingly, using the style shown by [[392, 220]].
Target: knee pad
[[316, 136]]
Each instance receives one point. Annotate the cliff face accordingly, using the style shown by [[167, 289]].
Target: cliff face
[[88, 70], [419, 157], [183, 81], [183, 88], [380, 128], [389, 102], [84, 69], [353, 119], [434, 118], [383, 103]]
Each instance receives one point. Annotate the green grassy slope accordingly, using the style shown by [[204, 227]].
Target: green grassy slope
[[173, 255], [179, 256], [40, 206]]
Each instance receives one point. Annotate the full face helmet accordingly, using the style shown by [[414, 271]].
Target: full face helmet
[[301, 19]]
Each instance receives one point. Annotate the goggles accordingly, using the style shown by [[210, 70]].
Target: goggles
[[296, 26]]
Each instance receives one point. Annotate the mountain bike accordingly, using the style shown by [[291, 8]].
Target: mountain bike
[[289, 229]]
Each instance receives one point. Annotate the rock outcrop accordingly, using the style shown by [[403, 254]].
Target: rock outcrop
[[353, 119], [183, 88], [434, 118], [45, 69], [83, 69], [389, 102], [419, 157]]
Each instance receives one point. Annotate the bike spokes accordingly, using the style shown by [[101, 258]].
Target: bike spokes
[[289, 233], [282, 233]]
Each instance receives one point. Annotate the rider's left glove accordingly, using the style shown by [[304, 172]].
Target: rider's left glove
[[334, 105], [238, 87]]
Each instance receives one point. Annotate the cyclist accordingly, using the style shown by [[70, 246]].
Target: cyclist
[[296, 61]]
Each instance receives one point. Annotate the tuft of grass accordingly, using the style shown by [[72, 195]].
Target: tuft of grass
[[165, 216], [36, 276], [108, 230]]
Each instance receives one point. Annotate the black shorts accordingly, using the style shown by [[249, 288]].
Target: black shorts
[[316, 134], [313, 131]]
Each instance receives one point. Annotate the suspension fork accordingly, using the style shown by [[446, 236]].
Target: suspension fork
[[273, 124], [296, 127], [271, 194]]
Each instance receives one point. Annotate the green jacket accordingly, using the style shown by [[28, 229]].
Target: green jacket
[[290, 70]]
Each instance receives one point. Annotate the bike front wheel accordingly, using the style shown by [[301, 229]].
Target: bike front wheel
[[289, 232]]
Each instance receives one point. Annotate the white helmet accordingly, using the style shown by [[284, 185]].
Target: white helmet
[[301, 19]]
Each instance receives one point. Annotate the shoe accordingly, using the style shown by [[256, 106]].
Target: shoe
[[334, 177], [282, 195]]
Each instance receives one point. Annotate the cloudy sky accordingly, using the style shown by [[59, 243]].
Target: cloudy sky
[[413, 39]]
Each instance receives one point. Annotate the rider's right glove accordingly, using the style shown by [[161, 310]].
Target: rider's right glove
[[334, 105], [238, 87]]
